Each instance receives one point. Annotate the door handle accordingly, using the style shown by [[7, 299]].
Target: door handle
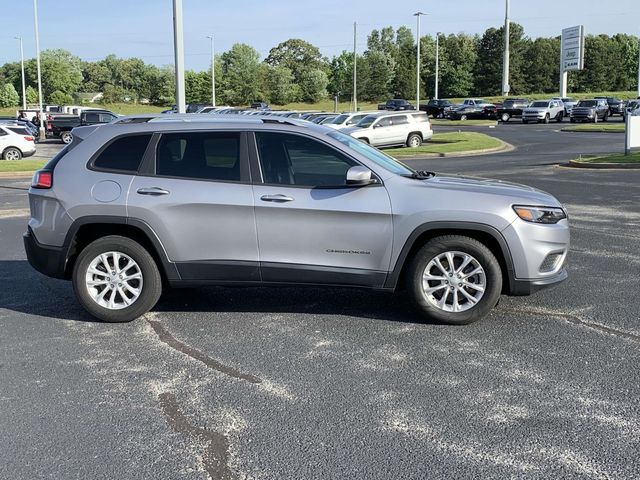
[[279, 198], [153, 191]]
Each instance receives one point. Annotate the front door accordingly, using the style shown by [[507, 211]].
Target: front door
[[199, 202], [312, 227]]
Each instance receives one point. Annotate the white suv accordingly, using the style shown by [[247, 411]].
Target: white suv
[[16, 142], [348, 119], [385, 129]]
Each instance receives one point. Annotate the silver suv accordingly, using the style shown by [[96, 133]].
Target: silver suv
[[384, 129], [145, 202]]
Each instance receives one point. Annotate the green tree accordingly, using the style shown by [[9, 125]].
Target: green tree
[[542, 62], [404, 82], [9, 96], [298, 56], [242, 75], [32, 95], [313, 85], [280, 85], [60, 98], [197, 86], [597, 74], [458, 55], [60, 71], [378, 74]]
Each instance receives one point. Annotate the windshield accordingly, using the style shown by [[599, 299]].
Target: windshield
[[366, 121], [340, 119], [540, 104], [382, 159], [587, 103]]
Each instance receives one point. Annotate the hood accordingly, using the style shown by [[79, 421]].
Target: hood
[[583, 109], [350, 130], [536, 109], [516, 193]]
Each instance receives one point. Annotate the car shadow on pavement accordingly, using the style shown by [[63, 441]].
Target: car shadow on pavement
[[26, 291]]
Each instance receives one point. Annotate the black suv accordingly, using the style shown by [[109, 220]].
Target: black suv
[[395, 105], [512, 107], [616, 106], [436, 108]]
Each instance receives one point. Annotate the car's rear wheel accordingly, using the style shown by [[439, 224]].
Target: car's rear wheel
[[116, 279], [595, 118], [546, 118], [525, 121], [606, 117], [12, 153], [455, 279], [66, 137], [559, 117], [505, 117], [463, 117], [414, 140]]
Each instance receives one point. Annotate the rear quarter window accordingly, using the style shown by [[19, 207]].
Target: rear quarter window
[[123, 154]]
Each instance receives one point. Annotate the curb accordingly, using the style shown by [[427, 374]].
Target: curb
[[603, 166], [505, 147], [588, 131], [14, 175]]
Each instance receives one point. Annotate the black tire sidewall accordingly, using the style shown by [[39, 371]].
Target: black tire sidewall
[[7, 150], [412, 136], [468, 245], [151, 287]]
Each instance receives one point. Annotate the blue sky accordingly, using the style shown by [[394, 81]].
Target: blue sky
[[143, 28]]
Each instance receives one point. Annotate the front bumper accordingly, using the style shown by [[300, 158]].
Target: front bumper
[[46, 259], [527, 287]]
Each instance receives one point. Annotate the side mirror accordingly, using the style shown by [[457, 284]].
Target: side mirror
[[359, 176]]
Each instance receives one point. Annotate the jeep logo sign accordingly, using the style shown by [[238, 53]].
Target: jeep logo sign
[[572, 49]]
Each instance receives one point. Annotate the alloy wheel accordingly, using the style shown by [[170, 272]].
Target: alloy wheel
[[114, 280]]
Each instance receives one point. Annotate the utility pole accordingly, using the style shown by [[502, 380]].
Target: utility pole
[[437, 63], [505, 64], [178, 46], [638, 68], [24, 88], [213, 72], [355, 69], [41, 114], [418, 15]]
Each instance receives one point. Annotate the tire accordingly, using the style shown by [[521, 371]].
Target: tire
[[559, 117], [525, 121], [572, 120], [149, 285], [546, 118], [606, 117], [595, 118], [12, 153], [463, 117], [459, 247], [66, 137], [414, 140], [505, 117]]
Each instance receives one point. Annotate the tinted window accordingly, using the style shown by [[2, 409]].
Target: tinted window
[[384, 122], [206, 155], [123, 154], [400, 120], [105, 117], [19, 130], [92, 117], [294, 160]]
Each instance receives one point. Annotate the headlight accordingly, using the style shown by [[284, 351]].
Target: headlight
[[547, 215]]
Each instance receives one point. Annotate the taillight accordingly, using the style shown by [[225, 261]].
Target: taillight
[[42, 179], [49, 126], [29, 139]]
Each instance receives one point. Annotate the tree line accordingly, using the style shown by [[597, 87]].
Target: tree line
[[296, 71]]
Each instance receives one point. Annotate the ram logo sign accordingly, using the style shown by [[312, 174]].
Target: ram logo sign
[[572, 49]]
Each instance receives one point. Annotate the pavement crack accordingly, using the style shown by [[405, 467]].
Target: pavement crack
[[215, 458], [166, 337], [575, 320]]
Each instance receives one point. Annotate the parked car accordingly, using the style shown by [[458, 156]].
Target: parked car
[[260, 106], [543, 111], [31, 127], [475, 102], [395, 105], [60, 126], [347, 119], [436, 107], [325, 120], [616, 106], [16, 142], [473, 112], [385, 129], [568, 102], [511, 107], [332, 211], [632, 106], [590, 110]]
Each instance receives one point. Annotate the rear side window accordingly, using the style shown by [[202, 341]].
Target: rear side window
[[19, 130], [123, 154], [201, 155], [400, 120]]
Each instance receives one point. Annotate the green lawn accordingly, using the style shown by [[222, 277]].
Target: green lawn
[[458, 123], [26, 166], [453, 142], [634, 157], [596, 127]]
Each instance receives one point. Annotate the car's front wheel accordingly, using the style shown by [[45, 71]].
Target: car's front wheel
[[546, 118], [116, 279], [505, 117], [455, 279], [463, 117], [66, 137]]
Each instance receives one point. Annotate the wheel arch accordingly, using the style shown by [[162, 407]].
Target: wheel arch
[[87, 229], [14, 147], [486, 234]]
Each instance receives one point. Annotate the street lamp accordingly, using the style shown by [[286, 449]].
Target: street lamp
[[178, 47], [213, 71], [437, 63], [418, 15], [24, 88], [41, 113]]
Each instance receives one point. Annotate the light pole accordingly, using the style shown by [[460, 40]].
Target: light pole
[[213, 72], [24, 88], [638, 68], [178, 46], [41, 113], [505, 64], [437, 63], [418, 15], [355, 69]]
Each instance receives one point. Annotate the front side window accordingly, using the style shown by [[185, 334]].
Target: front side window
[[295, 160], [366, 121], [123, 154], [200, 155], [384, 122], [92, 117], [400, 120]]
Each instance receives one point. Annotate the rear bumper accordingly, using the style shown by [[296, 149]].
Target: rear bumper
[[29, 153], [46, 259], [527, 287]]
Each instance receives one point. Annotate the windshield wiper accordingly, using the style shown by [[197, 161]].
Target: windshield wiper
[[421, 175]]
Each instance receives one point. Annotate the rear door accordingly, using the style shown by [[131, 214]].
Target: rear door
[[197, 197], [312, 227]]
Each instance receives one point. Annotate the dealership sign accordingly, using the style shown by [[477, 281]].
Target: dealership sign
[[572, 48]]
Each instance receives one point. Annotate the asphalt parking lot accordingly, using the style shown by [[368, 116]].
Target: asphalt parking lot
[[321, 383]]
